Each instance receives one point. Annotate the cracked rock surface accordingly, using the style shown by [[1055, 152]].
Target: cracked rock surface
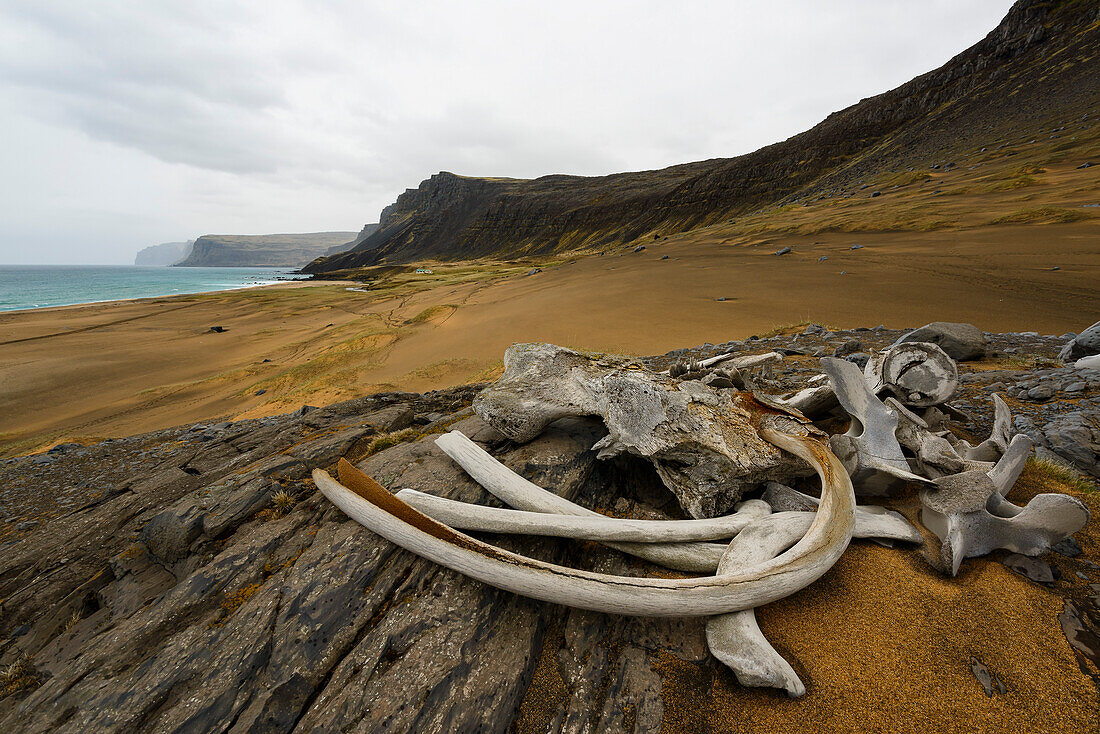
[[149, 584]]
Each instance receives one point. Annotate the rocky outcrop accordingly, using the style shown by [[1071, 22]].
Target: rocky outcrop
[[266, 250], [167, 253], [154, 583], [993, 88]]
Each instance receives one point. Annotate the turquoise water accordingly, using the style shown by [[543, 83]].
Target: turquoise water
[[38, 286]]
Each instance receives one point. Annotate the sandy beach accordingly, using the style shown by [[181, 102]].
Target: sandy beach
[[81, 373]]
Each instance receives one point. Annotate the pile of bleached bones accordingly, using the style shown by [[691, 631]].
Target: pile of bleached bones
[[713, 434]]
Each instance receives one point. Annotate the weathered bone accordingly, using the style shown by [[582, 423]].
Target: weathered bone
[[515, 491], [705, 443], [916, 373], [465, 516], [376, 509], [813, 402], [736, 638], [871, 522], [996, 445], [934, 454], [512, 489], [728, 360], [869, 449], [971, 517]]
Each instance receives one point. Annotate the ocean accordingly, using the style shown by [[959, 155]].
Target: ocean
[[39, 286]]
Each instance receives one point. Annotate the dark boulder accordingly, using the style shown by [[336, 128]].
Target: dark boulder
[[962, 342], [1084, 344]]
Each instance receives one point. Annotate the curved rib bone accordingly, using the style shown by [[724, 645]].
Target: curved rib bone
[[465, 516], [871, 522], [514, 490], [375, 508]]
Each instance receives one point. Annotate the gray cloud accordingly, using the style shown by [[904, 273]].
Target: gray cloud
[[183, 118]]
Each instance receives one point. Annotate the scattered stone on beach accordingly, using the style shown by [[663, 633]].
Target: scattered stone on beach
[[782, 251], [851, 346], [218, 329], [1035, 569], [990, 683]]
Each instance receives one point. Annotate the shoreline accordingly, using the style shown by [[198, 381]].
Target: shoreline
[[39, 309]]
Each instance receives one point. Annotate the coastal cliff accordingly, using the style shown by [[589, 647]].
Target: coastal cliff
[[166, 253], [268, 250], [983, 94], [367, 231]]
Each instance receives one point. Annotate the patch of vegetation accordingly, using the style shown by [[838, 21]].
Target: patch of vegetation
[[282, 502], [789, 329], [1017, 363], [334, 366], [386, 440], [436, 370], [905, 178], [431, 312], [1040, 215], [1019, 182], [17, 677], [1047, 472], [490, 373]]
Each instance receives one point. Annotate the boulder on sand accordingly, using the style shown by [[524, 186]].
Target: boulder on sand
[[1084, 344], [962, 342]]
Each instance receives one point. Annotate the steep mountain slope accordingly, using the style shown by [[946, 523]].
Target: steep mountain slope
[[1039, 67], [266, 250], [367, 231], [166, 253]]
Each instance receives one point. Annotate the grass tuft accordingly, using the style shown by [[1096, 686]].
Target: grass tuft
[[432, 312], [386, 440], [282, 502], [1047, 471], [19, 676]]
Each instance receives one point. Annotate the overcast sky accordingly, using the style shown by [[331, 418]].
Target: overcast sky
[[125, 124]]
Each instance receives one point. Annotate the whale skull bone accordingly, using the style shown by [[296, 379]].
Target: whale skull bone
[[829, 534], [704, 441]]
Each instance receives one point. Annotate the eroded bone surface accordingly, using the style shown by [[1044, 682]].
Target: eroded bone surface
[[869, 450], [704, 442], [971, 517], [916, 373]]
